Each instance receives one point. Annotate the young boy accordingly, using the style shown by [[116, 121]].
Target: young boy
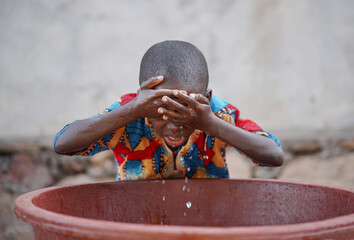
[[172, 127]]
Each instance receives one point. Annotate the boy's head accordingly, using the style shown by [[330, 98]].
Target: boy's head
[[182, 65], [184, 68]]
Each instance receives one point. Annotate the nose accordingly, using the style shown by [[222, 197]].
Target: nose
[[173, 127]]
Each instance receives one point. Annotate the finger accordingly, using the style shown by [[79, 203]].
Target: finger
[[162, 92], [159, 103], [170, 114], [174, 104], [185, 125], [191, 102], [165, 92], [151, 82], [200, 98]]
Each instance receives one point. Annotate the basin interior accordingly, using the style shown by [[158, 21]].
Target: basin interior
[[199, 202]]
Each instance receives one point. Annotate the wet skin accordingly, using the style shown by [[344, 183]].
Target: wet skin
[[174, 124], [175, 114], [189, 109], [82, 133]]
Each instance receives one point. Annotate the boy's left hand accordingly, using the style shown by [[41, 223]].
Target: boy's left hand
[[191, 110]]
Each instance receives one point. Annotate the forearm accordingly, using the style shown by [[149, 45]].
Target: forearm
[[257, 147], [83, 133]]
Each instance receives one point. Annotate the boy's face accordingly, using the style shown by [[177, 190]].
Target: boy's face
[[175, 135]]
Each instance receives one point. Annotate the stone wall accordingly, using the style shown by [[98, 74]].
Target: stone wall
[[27, 166], [328, 162]]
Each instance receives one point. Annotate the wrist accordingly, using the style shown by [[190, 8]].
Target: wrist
[[134, 110], [121, 116], [211, 125]]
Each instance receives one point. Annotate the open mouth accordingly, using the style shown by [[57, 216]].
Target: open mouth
[[174, 141]]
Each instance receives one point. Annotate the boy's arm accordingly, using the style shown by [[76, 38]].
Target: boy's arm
[[197, 114], [82, 133], [255, 146]]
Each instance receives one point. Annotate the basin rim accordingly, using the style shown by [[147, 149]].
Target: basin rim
[[83, 227]]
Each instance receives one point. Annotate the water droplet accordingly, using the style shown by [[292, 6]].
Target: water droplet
[[161, 223], [188, 190], [163, 181], [163, 198], [184, 188], [188, 169], [186, 180], [185, 214], [190, 157], [188, 204]]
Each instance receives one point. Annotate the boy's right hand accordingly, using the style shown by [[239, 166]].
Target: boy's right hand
[[148, 100], [82, 133]]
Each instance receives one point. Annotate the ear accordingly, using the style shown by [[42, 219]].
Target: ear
[[208, 94]]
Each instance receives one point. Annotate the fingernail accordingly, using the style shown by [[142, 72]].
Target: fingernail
[[192, 95], [160, 77], [164, 117], [160, 110], [175, 92], [184, 92], [164, 99]]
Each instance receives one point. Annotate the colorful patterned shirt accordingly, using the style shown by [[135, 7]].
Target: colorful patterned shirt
[[142, 154]]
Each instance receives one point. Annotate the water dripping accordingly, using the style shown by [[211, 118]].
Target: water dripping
[[185, 214], [163, 198], [188, 204], [186, 180], [184, 188]]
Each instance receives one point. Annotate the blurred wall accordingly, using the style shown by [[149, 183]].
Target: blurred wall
[[288, 65]]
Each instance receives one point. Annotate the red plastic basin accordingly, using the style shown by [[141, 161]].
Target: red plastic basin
[[194, 209]]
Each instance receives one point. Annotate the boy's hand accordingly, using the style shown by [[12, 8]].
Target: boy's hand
[[148, 100], [191, 110]]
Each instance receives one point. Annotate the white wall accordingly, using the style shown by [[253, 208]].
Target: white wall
[[288, 65]]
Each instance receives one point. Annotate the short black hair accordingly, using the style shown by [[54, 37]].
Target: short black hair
[[175, 60]]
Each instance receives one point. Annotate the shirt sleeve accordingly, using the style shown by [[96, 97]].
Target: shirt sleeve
[[249, 126], [109, 141]]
